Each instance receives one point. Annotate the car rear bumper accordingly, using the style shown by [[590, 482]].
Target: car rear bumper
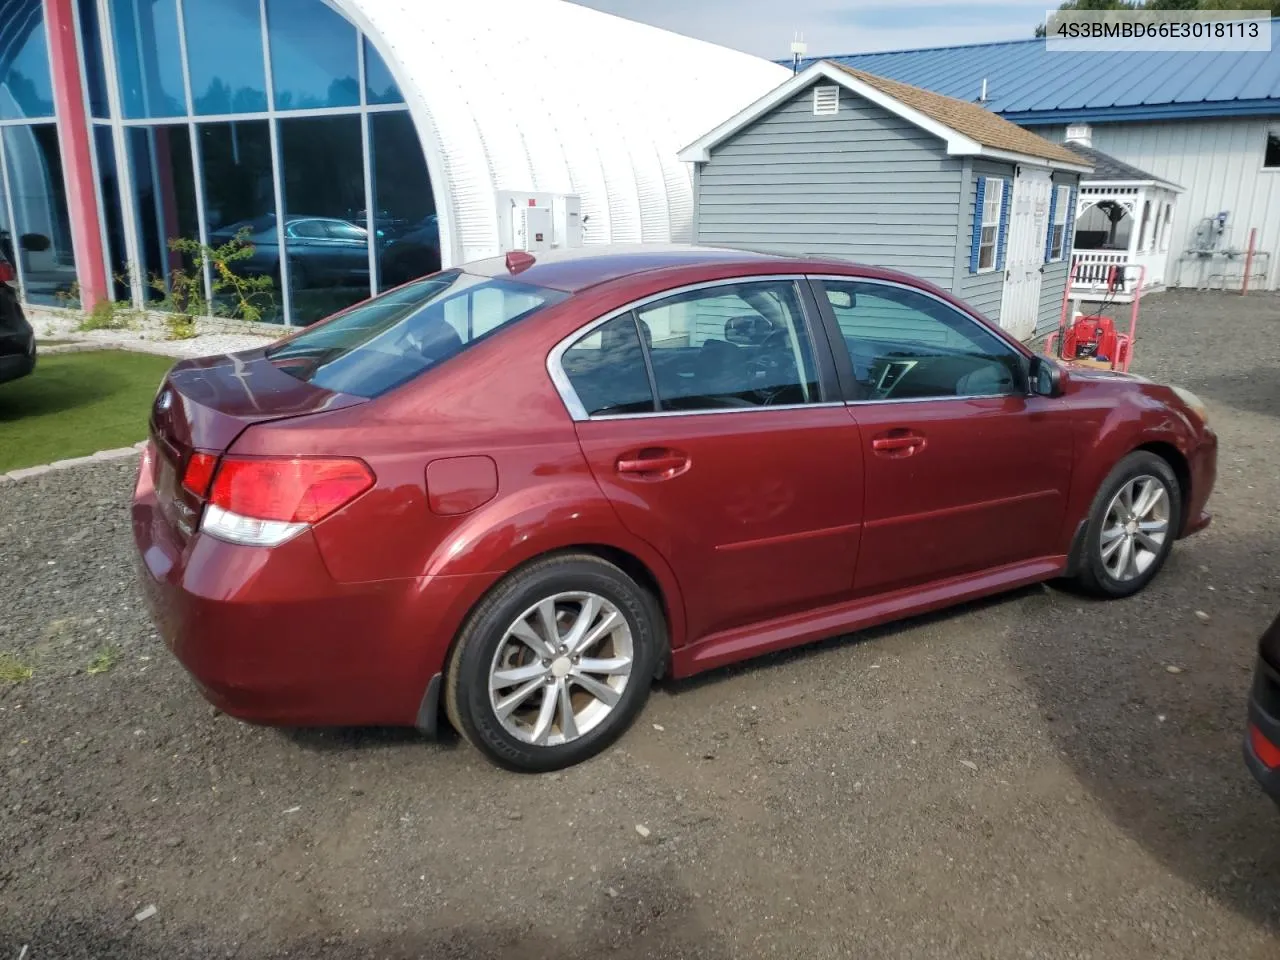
[[270, 637], [1262, 734], [17, 365]]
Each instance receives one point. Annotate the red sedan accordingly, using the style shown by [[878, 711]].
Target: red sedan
[[521, 491]]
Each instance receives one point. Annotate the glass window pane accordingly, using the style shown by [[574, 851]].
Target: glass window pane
[[224, 52], [109, 189], [164, 188], [378, 83], [404, 205], [94, 74], [41, 226], [313, 56], [392, 338], [606, 368], [26, 88], [1271, 157], [908, 346], [239, 197], [148, 57], [743, 345], [322, 166]]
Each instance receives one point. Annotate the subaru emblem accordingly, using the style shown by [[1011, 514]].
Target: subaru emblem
[[164, 401]]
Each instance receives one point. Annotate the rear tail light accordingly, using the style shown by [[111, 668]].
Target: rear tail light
[[7, 274], [265, 501], [1264, 749], [199, 473]]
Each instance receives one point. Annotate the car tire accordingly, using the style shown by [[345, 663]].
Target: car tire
[[1121, 554], [503, 658]]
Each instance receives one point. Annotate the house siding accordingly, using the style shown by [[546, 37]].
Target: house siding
[[983, 291], [862, 184], [1053, 283], [1219, 163]]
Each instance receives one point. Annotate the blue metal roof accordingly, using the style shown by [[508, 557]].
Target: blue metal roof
[[1029, 85]]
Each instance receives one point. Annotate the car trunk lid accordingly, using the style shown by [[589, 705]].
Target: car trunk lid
[[203, 405]]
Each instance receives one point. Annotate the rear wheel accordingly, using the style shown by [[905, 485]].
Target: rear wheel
[[554, 664], [1132, 526]]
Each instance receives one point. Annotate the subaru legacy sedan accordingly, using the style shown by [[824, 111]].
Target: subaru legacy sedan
[[515, 494]]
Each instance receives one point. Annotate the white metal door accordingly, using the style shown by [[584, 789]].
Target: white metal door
[[1024, 256]]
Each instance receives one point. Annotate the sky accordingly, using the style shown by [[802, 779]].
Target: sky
[[766, 27]]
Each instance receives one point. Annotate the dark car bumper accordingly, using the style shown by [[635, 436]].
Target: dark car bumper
[[1262, 737], [17, 365]]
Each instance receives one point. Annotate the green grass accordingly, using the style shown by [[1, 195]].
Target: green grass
[[77, 403], [13, 670], [104, 659]]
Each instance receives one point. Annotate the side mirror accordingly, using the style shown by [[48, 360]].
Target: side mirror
[[1047, 379]]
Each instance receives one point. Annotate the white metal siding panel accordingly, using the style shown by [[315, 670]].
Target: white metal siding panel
[[550, 96], [1218, 163], [862, 184]]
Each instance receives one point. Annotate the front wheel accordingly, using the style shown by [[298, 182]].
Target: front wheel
[[1132, 526], [555, 663]]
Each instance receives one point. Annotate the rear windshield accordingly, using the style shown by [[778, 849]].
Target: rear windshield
[[382, 343]]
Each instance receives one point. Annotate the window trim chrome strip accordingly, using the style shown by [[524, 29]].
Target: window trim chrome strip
[[984, 327], [569, 396]]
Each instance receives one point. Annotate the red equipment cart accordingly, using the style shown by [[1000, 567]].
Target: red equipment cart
[[1092, 340]]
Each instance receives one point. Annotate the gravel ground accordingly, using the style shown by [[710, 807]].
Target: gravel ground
[[1019, 778]]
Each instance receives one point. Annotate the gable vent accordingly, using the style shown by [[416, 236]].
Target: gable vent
[[826, 101]]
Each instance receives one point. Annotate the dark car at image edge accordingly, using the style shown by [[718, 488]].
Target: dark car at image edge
[[1262, 738], [17, 339]]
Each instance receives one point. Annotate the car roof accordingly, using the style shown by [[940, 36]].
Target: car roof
[[582, 267]]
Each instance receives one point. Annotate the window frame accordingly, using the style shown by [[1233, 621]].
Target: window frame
[[983, 223], [852, 388], [1058, 231], [830, 387], [1271, 131]]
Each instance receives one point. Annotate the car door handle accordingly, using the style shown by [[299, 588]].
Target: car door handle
[[659, 464], [897, 443]]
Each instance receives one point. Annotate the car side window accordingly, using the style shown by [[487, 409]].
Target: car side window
[[730, 346], [907, 345], [340, 230], [308, 229], [607, 370]]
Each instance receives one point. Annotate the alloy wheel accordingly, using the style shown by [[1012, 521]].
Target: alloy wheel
[[1135, 527], [561, 668]]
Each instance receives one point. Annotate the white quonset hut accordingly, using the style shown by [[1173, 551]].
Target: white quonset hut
[[528, 100]]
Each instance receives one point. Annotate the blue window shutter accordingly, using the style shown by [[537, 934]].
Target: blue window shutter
[[1004, 223], [1068, 240], [979, 199], [1048, 240]]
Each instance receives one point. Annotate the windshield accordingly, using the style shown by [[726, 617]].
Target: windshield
[[382, 343]]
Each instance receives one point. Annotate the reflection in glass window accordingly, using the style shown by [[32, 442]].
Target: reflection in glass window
[[26, 88], [148, 57], [405, 210], [41, 226], [606, 368], [379, 85], [164, 189], [906, 345], [224, 51], [109, 188], [239, 196], [94, 73], [322, 166], [313, 56], [739, 345]]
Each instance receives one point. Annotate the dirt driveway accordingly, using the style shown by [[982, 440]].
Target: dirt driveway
[[1021, 778]]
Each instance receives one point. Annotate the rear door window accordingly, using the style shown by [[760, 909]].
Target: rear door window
[[381, 343], [607, 369]]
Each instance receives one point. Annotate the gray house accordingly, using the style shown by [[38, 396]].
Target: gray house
[[837, 162]]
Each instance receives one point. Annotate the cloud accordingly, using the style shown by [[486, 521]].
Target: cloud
[[766, 27]]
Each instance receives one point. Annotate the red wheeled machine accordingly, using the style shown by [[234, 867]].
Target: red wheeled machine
[[1092, 340]]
